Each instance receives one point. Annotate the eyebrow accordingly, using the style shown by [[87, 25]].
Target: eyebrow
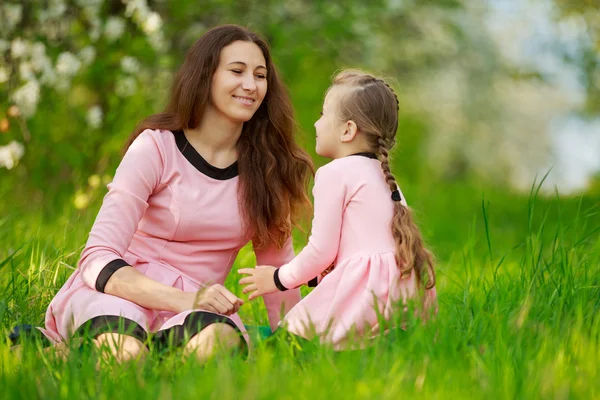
[[244, 64]]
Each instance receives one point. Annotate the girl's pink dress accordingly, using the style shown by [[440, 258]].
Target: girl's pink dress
[[351, 228], [175, 218]]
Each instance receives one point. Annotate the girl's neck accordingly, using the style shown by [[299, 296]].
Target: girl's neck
[[352, 148], [215, 138]]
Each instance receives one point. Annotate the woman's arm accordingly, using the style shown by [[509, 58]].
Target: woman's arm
[[132, 285], [102, 265], [138, 176]]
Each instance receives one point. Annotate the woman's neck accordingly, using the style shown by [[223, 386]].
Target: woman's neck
[[215, 138]]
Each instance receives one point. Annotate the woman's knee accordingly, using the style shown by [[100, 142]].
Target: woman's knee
[[121, 347], [218, 337]]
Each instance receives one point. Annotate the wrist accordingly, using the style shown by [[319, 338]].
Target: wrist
[[181, 301], [278, 283]]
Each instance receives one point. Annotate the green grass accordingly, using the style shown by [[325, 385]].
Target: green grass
[[519, 294]]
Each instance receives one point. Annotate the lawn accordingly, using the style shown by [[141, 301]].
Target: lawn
[[519, 302]]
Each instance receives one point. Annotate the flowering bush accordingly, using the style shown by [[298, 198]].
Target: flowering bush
[[77, 56]]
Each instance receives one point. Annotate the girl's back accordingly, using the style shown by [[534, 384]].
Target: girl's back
[[368, 209]]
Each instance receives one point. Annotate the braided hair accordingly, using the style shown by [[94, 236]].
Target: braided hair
[[373, 105]]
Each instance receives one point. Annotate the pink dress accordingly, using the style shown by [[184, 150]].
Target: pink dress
[[175, 218], [351, 227]]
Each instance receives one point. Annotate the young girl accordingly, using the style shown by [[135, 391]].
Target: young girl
[[361, 223]]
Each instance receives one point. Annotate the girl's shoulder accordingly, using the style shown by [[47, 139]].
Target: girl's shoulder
[[344, 165]]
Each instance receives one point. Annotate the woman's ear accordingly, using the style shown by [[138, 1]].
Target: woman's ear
[[350, 130]]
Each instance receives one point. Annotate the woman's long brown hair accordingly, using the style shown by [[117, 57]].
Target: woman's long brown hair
[[273, 170], [373, 105]]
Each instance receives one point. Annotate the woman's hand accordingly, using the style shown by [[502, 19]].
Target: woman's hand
[[260, 280], [214, 298]]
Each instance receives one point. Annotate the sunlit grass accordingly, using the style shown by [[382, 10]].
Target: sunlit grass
[[519, 294]]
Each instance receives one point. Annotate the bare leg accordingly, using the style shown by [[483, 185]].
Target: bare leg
[[121, 347], [214, 338], [59, 350]]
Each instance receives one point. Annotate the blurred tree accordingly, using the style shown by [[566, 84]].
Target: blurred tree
[[583, 16], [77, 75]]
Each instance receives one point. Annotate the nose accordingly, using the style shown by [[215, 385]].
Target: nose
[[248, 83]]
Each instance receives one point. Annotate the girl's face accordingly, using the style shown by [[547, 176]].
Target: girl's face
[[330, 127], [239, 84]]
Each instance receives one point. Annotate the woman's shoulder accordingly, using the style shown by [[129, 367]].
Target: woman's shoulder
[[158, 136], [152, 141]]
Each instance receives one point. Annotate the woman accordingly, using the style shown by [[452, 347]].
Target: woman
[[218, 168]]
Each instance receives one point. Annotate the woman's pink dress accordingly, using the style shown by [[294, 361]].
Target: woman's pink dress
[[351, 228], [175, 218]]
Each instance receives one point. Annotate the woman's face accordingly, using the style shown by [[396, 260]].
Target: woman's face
[[239, 84]]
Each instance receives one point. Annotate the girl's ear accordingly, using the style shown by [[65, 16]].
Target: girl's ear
[[350, 130]]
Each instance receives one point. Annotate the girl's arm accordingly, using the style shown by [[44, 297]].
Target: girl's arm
[[279, 303], [329, 194], [330, 198]]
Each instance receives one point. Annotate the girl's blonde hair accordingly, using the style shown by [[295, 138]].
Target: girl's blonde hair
[[373, 106]]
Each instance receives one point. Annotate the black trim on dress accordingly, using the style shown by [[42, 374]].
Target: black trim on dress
[[366, 154], [101, 324], [278, 283], [108, 271], [193, 324], [190, 153]]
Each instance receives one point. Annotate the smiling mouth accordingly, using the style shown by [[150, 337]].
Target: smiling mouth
[[244, 100]]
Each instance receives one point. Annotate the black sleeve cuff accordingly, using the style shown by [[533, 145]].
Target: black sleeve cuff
[[313, 282], [108, 271], [278, 282]]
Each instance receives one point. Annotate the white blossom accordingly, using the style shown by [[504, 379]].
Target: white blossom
[[13, 14], [41, 63], [57, 8], [87, 55], [94, 117], [27, 97], [4, 75], [136, 6], [67, 64], [152, 23], [94, 4], [126, 86], [38, 56], [130, 65], [96, 30], [19, 48], [11, 154], [114, 28], [26, 71], [4, 45], [157, 41], [48, 74]]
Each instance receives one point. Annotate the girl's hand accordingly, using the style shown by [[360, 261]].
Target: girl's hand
[[216, 299], [259, 280]]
